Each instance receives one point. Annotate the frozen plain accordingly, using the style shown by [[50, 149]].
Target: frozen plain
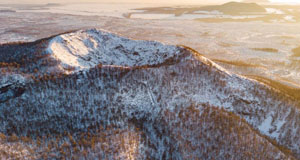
[[231, 44]]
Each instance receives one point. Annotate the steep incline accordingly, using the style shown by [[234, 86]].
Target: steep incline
[[102, 79]]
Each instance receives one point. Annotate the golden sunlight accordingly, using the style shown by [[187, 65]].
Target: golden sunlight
[[149, 79]]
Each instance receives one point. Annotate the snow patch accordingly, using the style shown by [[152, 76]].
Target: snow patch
[[274, 11], [271, 126], [85, 49], [265, 126]]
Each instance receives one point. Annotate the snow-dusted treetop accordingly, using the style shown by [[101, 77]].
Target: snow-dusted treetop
[[87, 48]]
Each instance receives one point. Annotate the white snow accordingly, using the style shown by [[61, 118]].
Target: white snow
[[152, 16], [190, 16], [274, 11], [265, 126], [278, 124], [216, 12], [268, 127], [9, 79], [290, 18], [85, 49]]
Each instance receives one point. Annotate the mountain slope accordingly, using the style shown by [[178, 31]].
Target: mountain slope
[[98, 79], [204, 133], [235, 8]]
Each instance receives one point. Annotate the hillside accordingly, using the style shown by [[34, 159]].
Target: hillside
[[140, 99], [235, 8], [203, 133]]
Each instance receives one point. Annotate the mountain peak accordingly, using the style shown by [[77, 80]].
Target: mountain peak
[[144, 87], [87, 48]]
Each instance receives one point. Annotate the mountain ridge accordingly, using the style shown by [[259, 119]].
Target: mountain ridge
[[236, 8], [117, 93]]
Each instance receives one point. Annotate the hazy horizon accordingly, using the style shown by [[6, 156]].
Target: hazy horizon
[[143, 1]]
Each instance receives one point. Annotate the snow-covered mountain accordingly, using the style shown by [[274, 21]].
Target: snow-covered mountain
[[139, 100]]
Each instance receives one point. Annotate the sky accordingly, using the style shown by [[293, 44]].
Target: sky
[[143, 1]]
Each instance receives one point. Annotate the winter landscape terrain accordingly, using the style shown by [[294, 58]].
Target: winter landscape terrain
[[140, 82]]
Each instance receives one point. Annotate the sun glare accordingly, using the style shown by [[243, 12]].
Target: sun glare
[[286, 1]]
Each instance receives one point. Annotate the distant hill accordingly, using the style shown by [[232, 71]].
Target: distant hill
[[234, 8], [256, 1]]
